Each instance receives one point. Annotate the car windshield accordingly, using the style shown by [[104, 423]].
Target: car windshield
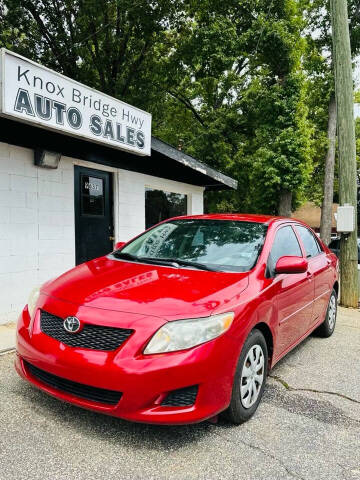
[[221, 245]]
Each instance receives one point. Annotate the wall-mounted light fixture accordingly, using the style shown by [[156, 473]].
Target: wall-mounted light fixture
[[46, 159]]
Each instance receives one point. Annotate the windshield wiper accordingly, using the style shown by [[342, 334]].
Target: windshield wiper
[[135, 258], [186, 263], [174, 262], [160, 261], [125, 256]]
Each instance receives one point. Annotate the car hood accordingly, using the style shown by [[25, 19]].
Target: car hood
[[152, 290]]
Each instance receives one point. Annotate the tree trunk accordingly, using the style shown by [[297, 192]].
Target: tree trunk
[[347, 148], [285, 203], [326, 209]]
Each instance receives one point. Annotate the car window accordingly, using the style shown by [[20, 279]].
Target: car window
[[285, 244], [310, 244], [317, 240]]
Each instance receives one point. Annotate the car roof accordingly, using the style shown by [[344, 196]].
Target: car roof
[[244, 217]]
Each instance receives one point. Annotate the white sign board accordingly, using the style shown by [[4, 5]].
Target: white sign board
[[35, 94], [345, 219]]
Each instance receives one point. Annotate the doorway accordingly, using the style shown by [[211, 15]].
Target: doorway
[[94, 227]]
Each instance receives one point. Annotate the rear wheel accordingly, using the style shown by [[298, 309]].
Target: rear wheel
[[250, 378], [326, 329]]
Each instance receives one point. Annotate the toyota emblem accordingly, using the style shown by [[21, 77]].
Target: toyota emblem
[[72, 324]]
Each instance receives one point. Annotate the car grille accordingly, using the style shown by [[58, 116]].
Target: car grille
[[183, 397], [81, 390], [91, 336]]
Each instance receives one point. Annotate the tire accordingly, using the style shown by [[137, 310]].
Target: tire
[[326, 329], [243, 402]]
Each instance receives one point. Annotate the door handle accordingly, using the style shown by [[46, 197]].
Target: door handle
[[111, 238], [309, 275]]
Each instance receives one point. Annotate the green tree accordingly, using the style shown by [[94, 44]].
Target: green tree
[[110, 45], [241, 96], [223, 79], [321, 101]]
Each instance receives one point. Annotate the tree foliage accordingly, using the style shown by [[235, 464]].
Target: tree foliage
[[241, 94], [241, 85], [319, 72], [110, 45]]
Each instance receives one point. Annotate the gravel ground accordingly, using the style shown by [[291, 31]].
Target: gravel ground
[[307, 427]]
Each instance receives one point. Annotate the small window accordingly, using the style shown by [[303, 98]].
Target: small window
[[160, 205], [92, 196], [310, 243], [285, 244]]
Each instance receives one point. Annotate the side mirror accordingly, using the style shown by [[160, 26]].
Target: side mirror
[[119, 245], [291, 265]]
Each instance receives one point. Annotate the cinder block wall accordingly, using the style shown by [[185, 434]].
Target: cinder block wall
[[36, 225], [37, 232]]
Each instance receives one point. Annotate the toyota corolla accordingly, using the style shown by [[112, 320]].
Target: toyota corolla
[[183, 322]]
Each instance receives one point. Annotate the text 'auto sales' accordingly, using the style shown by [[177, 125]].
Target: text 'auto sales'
[[112, 127]]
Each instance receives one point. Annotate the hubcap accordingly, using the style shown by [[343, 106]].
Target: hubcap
[[252, 376], [332, 312]]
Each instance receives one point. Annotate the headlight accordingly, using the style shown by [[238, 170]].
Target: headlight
[[183, 334], [33, 298]]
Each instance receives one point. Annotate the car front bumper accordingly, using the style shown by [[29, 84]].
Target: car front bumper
[[144, 380]]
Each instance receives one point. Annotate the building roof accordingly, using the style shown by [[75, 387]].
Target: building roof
[[163, 148], [311, 214], [165, 160]]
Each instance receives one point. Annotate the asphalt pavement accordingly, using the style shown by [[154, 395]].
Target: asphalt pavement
[[307, 427]]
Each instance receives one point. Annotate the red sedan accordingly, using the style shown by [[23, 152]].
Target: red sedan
[[182, 322]]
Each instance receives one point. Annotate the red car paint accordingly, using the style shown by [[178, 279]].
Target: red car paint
[[143, 297], [291, 265]]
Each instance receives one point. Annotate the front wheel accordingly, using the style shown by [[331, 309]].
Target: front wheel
[[327, 328], [250, 378]]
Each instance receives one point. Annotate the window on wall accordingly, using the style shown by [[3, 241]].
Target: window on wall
[[92, 195], [160, 205]]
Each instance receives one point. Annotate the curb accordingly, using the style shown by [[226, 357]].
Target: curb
[[7, 350], [7, 337]]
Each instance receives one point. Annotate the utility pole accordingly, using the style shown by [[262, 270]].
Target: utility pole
[[347, 147]]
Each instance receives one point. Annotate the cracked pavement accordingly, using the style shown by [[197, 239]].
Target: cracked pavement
[[307, 427]]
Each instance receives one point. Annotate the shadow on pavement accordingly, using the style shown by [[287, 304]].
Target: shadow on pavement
[[155, 437], [147, 436]]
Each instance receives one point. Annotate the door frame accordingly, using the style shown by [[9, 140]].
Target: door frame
[[280, 350], [78, 169]]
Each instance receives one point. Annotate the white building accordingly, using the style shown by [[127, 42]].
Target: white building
[[79, 170]]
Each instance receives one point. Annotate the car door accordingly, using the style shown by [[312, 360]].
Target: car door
[[294, 293], [319, 269]]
